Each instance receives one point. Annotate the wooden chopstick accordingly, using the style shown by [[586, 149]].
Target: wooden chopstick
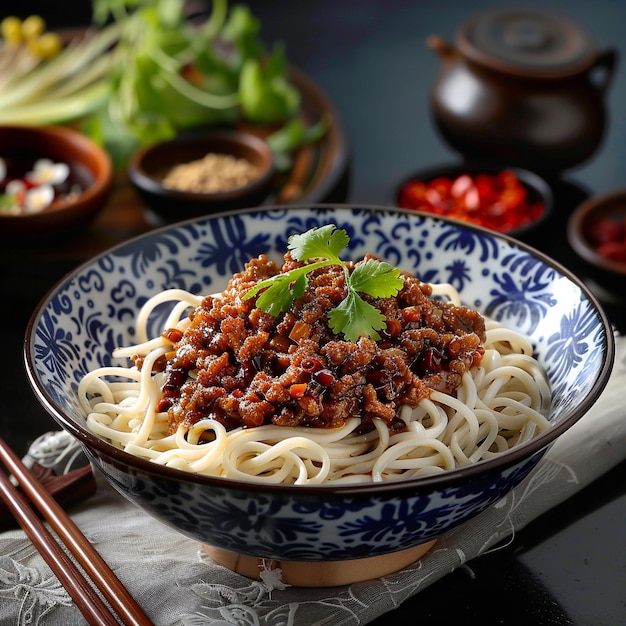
[[89, 603], [111, 588]]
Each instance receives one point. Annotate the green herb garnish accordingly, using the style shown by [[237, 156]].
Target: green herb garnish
[[321, 247]]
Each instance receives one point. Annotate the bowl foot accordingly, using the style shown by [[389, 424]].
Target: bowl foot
[[319, 574]]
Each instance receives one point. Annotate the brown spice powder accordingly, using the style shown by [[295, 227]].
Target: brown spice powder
[[214, 172]]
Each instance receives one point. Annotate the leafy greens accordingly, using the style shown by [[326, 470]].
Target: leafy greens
[[150, 70], [174, 72]]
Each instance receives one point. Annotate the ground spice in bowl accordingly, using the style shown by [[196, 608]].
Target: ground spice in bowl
[[201, 174], [210, 174]]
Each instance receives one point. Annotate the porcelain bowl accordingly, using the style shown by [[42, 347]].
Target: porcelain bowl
[[148, 165], [91, 170], [537, 191], [91, 311]]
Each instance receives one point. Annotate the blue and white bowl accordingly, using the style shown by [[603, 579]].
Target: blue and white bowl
[[91, 311]]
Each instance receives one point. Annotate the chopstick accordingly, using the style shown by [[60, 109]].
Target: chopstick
[[89, 603], [87, 600]]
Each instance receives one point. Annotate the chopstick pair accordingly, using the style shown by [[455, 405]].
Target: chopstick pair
[[122, 607]]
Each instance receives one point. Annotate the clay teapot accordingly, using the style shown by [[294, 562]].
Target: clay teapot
[[522, 86]]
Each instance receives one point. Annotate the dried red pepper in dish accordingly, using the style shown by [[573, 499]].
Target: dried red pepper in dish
[[496, 201], [608, 238]]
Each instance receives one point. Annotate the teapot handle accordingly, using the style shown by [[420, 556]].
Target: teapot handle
[[603, 69]]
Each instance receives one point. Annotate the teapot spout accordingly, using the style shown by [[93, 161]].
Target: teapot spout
[[441, 47]]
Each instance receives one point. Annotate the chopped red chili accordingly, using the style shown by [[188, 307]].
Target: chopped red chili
[[324, 378], [311, 365], [297, 390], [496, 201], [172, 334], [164, 405]]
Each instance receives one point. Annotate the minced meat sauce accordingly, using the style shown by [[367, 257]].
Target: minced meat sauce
[[244, 367]]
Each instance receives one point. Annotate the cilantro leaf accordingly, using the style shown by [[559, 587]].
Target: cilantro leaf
[[299, 286], [353, 316], [325, 242], [356, 318], [276, 285], [277, 298], [278, 293], [377, 279]]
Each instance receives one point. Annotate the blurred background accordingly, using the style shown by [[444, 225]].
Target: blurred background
[[372, 60]]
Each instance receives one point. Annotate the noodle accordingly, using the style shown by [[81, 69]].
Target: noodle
[[499, 404]]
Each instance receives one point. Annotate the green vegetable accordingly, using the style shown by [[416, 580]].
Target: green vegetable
[[175, 74], [68, 85], [321, 247], [149, 72], [292, 135], [169, 75], [266, 95]]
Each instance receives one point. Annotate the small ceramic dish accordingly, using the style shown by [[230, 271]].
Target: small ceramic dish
[[203, 183], [81, 195], [508, 200], [596, 231]]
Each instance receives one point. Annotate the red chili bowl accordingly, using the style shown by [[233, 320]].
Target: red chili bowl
[[507, 200], [596, 232], [91, 170]]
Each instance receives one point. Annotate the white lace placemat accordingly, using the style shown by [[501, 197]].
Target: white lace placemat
[[177, 584]]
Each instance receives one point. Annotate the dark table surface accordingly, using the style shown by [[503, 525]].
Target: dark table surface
[[569, 565]]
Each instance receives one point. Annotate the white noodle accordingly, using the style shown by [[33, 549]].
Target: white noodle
[[500, 403]]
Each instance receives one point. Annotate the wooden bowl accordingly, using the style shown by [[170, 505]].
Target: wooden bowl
[[90, 168]]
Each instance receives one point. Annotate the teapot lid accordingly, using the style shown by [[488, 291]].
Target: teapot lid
[[526, 42]]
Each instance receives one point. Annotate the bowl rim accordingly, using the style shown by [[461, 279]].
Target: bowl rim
[[527, 177], [444, 479], [140, 177], [594, 205], [102, 179]]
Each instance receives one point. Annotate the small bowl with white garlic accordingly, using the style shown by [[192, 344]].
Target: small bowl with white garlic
[[53, 181], [193, 176]]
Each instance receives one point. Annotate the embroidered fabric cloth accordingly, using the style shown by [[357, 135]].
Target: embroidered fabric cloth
[[177, 584]]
